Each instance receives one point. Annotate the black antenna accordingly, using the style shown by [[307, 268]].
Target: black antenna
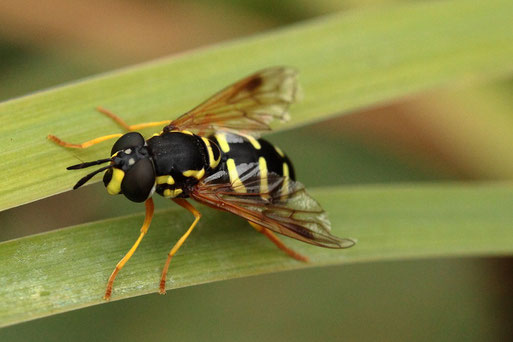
[[84, 165], [89, 176]]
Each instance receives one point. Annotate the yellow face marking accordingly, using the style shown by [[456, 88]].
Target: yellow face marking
[[223, 143], [165, 180], [211, 162], [252, 140], [280, 152], [234, 176], [198, 174], [262, 165], [114, 186], [168, 193]]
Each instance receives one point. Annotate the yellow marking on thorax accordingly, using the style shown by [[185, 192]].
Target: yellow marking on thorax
[[114, 186], [179, 131], [167, 179], [234, 176], [264, 188], [168, 193], [198, 174], [211, 161], [252, 140], [223, 143]]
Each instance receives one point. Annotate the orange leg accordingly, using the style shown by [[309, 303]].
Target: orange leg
[[122, 262], [84, 144], [274, 239], [118, 120], [182, 202], [128, 127]]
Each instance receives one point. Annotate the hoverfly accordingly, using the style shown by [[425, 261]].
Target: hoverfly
[[213, 155]]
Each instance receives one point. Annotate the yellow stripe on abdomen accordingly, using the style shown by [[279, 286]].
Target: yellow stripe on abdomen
[[223, 143], [285, 185], [234, 176], [251, 140], [264, 186], [279, 151]]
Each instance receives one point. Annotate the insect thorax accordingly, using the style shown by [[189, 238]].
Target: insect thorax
[[181, 159]]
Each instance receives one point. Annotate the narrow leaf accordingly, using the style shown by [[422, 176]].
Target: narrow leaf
[[67, 269], [346, 61]]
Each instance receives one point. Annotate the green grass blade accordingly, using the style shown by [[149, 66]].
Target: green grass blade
[[67, 269], [347, 61]]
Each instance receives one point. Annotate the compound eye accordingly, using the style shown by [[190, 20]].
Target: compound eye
[[138, 183], [128, 140]]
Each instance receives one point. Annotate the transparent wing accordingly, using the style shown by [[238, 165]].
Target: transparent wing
[[247, 106], [284, 207]]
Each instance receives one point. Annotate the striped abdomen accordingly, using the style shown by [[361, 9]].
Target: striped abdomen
[[240, 153]]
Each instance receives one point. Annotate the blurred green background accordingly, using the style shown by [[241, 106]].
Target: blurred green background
[[437, 136]]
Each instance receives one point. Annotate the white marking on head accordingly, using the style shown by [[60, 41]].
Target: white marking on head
[[152, 190], [131, 161], [128, 151]]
